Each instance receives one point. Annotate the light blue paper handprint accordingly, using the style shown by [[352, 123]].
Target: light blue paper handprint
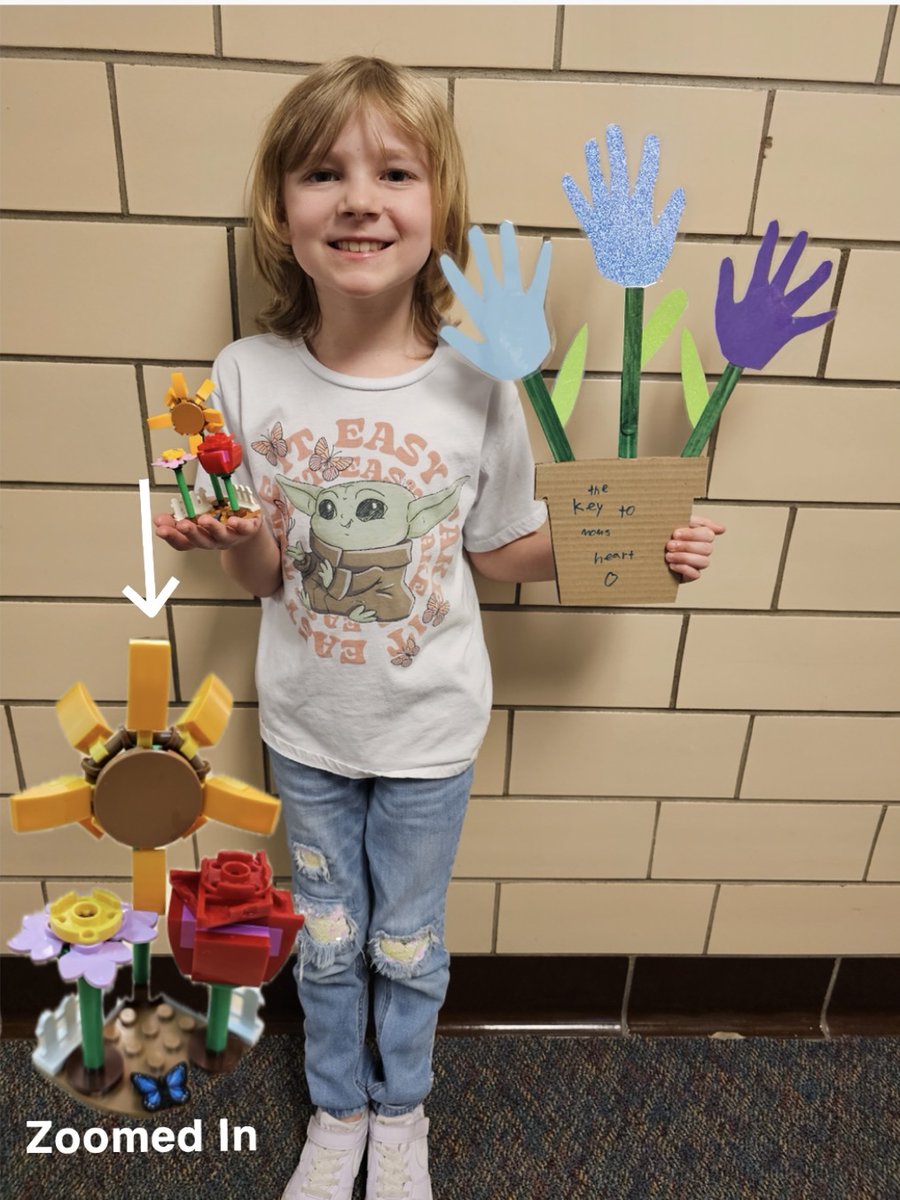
[[509, 317], [628, 247]]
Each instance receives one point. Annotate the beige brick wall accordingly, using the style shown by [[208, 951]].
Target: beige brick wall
[[719, 777]]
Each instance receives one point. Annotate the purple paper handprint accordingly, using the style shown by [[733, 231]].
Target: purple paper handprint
[[752, 331], [629, 248]]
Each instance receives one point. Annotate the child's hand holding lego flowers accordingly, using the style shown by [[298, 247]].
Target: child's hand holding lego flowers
[[206, 533], [688, 550]]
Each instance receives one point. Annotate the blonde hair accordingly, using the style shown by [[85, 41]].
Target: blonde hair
[[306, 124]]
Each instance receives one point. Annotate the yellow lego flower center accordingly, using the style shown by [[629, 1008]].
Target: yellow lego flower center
[[86, 920]]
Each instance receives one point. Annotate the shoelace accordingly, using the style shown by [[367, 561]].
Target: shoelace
[[322, 1179], [394, 1175]]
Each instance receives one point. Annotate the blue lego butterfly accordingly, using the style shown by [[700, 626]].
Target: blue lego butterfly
[[162, 1091]]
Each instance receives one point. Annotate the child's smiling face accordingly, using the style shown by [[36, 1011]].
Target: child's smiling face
[[358, 219]]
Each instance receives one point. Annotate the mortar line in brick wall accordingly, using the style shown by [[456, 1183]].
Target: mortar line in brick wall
[[879, 826], [558, 35], [176, 673], [145, 429], [669, 881], [14, 742], [117, 136], [679, 659], [712, 918], [508, 753], [745, 754], [164, 489], [233, 284], [829, 992], [656, 819], [603, 881], [840, 274], [689, 798], [765, 143], [557, 232], [694, 712], [176, 220], [217, 30], [782, 561], [886, 44], [495, 919], [211, 62]]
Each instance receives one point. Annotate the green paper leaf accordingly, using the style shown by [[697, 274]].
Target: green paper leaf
[[569, 377], [661, 322], [693, 378]]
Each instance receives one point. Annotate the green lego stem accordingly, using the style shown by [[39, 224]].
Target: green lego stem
[[217, 488], [217, 1017], [185, 492], [232, 495], [713, 410], [630, 391], [140, 963], [550, 423], [90, 1008]]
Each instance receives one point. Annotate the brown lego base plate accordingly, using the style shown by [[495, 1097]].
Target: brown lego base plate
[[148, 1035], [222, 512]]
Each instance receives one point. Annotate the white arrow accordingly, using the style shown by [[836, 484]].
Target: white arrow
[[153, 603]]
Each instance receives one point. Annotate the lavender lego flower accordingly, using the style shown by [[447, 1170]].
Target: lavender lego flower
[[629, 248], [37, 939], [94, 961], [752, 331]]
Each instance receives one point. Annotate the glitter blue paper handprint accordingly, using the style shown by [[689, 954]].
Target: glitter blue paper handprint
[[629, 248]]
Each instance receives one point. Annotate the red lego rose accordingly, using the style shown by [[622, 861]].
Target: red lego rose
[[227, 923], [220, 454]]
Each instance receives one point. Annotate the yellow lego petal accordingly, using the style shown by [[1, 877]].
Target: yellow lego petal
[[207, 714], [148, 885], [213, 420], [239, 804], [82, 722], [204, 391], [160, 421], [179, 388], [62, 801], [148, 684]]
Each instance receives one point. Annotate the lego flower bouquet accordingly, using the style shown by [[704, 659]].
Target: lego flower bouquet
[[610, 519]]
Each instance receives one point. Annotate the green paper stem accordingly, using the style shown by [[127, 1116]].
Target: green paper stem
[[710, 415], [90, 1007], [217, 488], [185, 492], [550, 423], [140, 964], [232, 495], [217, 1017], [631, 372]]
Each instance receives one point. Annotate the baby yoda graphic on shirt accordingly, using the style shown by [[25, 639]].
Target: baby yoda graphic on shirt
[[361, 543]]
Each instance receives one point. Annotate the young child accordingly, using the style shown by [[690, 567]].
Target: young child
[[387, 466]]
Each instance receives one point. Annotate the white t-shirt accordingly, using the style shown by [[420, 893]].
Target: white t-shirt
[[371, 658]]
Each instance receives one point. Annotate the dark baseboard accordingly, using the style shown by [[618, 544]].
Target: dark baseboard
[[577, 995]]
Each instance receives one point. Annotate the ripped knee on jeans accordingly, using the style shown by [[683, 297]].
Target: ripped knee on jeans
[[401, 957], [328, 930], [311, 863]]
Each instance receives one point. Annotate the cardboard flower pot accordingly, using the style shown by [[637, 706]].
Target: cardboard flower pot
[[610, 520]]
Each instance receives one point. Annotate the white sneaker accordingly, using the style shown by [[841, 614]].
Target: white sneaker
[[398, 1158], [330, 1159]]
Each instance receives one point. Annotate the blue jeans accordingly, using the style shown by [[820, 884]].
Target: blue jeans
[[372, 860]]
